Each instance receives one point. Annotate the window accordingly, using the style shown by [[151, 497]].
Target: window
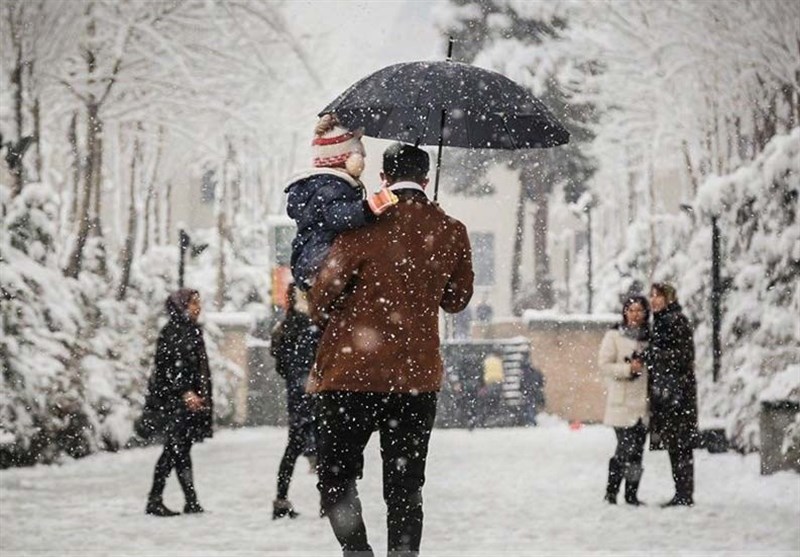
[[208, 187], [483, 257]]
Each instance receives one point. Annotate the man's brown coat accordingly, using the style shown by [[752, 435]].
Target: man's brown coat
[[379, 294]]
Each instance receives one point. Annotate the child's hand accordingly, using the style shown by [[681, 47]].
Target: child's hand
[[382, 200]]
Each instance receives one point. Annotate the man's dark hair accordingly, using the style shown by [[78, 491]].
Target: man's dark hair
[[403, 162]]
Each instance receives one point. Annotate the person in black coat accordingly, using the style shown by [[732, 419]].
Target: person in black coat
[[531, 386], [672, 389], [180, 391], [294, 347]]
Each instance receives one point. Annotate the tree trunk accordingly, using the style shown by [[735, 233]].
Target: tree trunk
[[37, 130], [97, 156], [516, 254], [541, 266], [36, 112], [17, 171], [631, 185], [130, 239], [220, 296], [72, 138], [168, 210], [150, 191], [159, 221], [687, 160], [84, 222], [543, 297]]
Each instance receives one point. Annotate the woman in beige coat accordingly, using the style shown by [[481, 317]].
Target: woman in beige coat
[[626, 406]]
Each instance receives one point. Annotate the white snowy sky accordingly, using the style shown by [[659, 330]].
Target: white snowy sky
[[373, 34]]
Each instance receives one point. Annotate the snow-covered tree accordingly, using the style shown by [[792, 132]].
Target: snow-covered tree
[[524, 41], [134, 94]]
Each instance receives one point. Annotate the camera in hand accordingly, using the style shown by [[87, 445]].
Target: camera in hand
[[635, 355]]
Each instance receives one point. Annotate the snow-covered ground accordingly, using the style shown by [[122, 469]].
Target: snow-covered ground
[[494, 492]]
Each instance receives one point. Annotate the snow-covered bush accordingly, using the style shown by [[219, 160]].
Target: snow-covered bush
[[758, 212]]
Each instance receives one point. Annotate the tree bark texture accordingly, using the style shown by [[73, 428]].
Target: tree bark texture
[[130, 238]]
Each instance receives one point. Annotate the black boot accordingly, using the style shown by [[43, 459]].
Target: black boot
[[679, 501], [281, 508], [186, 479], [614, 481], [155, 507], [682, 461], [633, 475], [193, 508]]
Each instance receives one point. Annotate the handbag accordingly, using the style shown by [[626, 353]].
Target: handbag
[[151, 422]]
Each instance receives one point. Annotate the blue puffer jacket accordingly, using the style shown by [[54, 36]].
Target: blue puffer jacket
[[323, 203]]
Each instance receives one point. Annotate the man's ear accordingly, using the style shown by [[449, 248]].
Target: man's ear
[[424, 183], [383, 177]]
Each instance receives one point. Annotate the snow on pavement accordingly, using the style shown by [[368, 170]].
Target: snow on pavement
[[498, 492]]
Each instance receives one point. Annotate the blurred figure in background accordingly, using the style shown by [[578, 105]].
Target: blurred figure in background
[[492, 390], [620, 361], [179, 392], [531, 385], [294, 346]]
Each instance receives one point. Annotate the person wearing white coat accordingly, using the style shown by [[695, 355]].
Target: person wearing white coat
[[626, 405]]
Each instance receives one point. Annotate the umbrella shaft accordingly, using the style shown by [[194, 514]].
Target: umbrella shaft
[[439, 155]]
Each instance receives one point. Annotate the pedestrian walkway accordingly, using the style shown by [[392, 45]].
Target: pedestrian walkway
[[498, 492]]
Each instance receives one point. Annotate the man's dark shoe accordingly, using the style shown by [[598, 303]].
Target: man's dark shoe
[[193, 508], [678, 502], [610, 498], [157, 508], [634, 502]]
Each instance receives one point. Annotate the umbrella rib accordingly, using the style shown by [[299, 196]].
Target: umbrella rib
[[425, 130], [508, 131]]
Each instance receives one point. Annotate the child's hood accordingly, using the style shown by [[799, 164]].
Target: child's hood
[[297, 178]]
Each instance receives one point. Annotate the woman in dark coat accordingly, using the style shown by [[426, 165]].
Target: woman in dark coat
[[180, 389], [294, 347], [672, 389]]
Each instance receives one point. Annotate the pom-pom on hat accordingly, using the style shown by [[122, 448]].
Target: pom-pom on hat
[[334, 146]]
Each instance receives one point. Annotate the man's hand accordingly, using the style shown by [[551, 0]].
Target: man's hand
[[382, 200], [193, 401]]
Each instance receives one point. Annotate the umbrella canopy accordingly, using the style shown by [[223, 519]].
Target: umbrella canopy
[[448, 103]]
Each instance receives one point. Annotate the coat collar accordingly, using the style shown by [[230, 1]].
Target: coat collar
[[412, 189]]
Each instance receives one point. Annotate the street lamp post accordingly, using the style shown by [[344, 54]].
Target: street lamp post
[[589, 289], [183, 242], [716, 295]]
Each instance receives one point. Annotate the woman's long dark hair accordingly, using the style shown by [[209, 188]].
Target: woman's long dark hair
[[636, 299]]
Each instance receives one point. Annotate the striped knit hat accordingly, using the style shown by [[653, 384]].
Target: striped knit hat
[[333, 145]]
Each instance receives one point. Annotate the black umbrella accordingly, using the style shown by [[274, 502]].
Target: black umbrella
[[447, 103]]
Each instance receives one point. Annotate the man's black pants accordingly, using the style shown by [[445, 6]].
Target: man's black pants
[[682, 459], [345, 422]]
